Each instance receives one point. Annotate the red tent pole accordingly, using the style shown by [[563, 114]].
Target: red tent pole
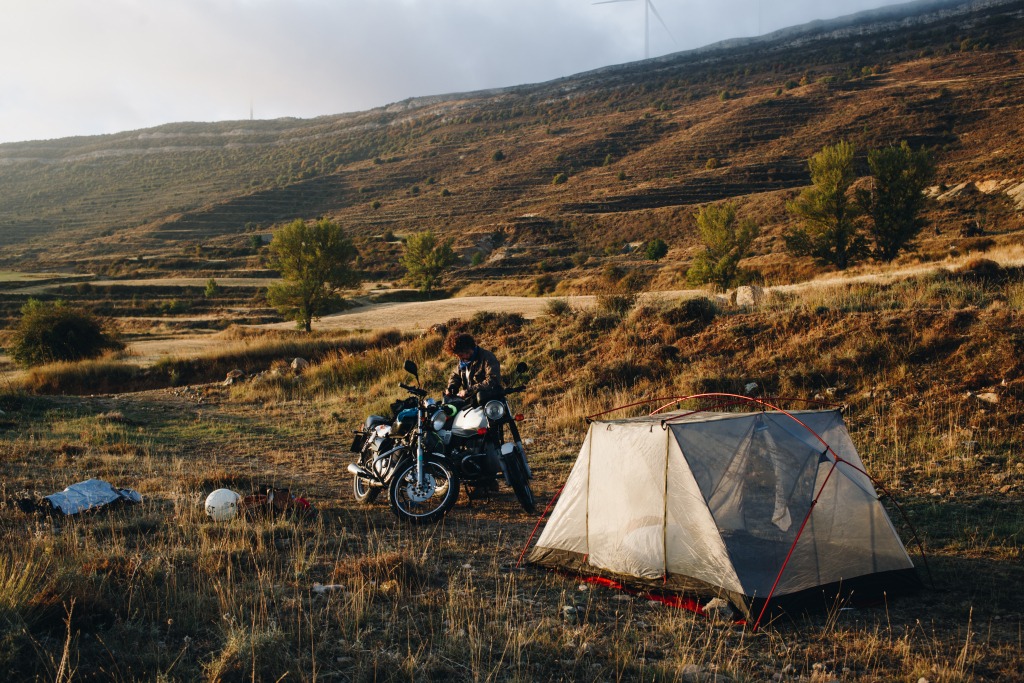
[[799, 532], [539, 522]]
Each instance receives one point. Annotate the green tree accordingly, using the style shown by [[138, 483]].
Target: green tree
[[895, 202], [726, 239], [314, 261], [656, 249], [211, 288], [829, 231], [426, 260], [53, 331]]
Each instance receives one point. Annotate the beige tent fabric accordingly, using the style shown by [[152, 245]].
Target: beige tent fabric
[[721, 498]]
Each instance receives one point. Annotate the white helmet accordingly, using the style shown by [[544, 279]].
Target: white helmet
[[222, 504]]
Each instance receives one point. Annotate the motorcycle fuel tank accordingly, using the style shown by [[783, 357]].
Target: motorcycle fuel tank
[[469, 421]]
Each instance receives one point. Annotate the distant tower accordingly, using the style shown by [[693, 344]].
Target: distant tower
[[250, 110]]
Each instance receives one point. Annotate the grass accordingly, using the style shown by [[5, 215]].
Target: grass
[[160, 592]]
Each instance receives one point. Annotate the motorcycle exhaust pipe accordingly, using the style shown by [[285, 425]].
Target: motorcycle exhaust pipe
[[361, 472]]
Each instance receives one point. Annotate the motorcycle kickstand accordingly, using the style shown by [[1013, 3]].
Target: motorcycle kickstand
[[469, 498]]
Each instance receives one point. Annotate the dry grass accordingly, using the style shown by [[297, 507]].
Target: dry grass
[[160, 592]]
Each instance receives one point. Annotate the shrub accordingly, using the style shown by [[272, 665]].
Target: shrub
[[656, 249], [698, 309], [559, 179], [52, 331], [618, 303], [558, 308], [543, 284]]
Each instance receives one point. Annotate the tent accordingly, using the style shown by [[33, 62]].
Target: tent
[[751, 507]]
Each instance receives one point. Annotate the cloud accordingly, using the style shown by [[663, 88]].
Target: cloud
[[125, 64]]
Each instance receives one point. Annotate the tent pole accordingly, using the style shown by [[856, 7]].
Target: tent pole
[[539, 522], [796, 540]]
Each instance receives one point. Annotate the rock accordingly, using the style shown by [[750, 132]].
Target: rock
[[570, 614], [299, 364], [693, 674], [748, 295], [1016, 193], [750, 388], [718, 609], [988, 397], [233, 377]]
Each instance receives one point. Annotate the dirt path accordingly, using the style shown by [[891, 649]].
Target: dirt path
[[420, 315]]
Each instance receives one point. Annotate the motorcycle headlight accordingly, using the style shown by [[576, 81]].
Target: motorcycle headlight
[[438, 420], [494, 410]]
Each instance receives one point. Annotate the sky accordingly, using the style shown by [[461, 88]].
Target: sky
[[72, 67]]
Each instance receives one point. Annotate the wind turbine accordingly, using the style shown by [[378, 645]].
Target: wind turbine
[[648, 8]]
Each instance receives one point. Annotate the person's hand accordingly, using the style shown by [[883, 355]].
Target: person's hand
[[462, 393]]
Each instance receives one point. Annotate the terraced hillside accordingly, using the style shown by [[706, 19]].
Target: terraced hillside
[[639, 146]]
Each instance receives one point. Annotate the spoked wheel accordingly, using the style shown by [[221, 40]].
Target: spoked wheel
[[363, 491], [514, 464], [427, 503]]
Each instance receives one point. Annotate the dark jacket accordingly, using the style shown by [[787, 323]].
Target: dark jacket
[[481, 373]]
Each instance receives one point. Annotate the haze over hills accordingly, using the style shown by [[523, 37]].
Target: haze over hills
[[638, 146]]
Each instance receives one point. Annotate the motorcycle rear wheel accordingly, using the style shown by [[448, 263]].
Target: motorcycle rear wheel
[[430, 503], [363, 492], [515, 470]]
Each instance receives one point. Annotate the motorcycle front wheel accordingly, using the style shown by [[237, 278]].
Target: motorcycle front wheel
[[514, 465], [427, 503]]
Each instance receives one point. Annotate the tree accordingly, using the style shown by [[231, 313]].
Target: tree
[[897, 198], [830, 232], [314, 260], [656, 249], [425, 260], [726, 241], [52, 331]]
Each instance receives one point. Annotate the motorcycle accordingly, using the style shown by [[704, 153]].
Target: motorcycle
[[406, 457], [427, 450], [473, 434]]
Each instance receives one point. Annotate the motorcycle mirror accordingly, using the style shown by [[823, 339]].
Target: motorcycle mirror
[[412, 369], [521, 368]]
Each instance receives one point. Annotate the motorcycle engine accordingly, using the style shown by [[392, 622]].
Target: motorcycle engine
[[475, 460]]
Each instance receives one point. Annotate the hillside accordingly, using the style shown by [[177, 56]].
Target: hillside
[[641, 146]]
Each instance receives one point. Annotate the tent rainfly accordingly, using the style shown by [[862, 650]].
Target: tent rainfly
[[753, 507]]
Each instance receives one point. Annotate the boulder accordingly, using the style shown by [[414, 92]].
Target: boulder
[[747, 296], [233, 377], [299, 364]]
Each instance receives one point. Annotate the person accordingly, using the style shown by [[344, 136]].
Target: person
[[478, 371], [478, 374]]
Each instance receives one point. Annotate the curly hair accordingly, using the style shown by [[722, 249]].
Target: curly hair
[[459, 343]]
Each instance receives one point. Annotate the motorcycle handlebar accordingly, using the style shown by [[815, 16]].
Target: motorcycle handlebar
[[413, 390]]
